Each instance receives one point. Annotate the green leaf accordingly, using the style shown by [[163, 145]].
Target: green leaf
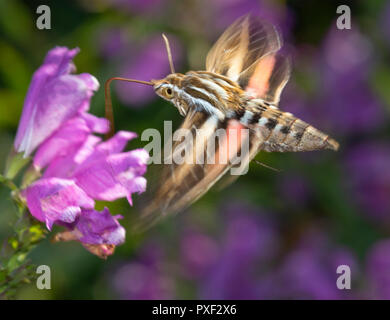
[[8, 183], [3, 276], [15, 162], [14, 243], [37, 233]]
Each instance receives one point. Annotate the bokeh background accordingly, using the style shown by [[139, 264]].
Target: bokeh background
[[269, 235]]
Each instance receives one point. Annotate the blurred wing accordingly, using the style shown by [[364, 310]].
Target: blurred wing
[[182, 184], [247, 53], [267, 78], [255, 144]]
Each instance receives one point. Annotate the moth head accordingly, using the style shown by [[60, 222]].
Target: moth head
[[170, 89], [165, 89]]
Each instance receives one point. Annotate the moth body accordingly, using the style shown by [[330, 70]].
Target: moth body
[[223, 98]]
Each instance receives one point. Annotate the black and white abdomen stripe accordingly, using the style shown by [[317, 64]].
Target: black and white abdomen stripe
[[281, 131]]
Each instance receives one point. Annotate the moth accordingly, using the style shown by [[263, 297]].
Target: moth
[[240, 88]]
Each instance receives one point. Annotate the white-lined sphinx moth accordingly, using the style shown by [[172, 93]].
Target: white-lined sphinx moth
[[240, 89]]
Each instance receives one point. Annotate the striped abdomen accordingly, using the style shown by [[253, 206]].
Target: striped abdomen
[[281, 131]]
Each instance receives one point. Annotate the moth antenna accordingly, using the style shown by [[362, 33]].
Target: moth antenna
[[267, 166], [169, 53], [109, 113]]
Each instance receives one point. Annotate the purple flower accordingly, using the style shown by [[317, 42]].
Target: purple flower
[[368, 179], [90, 169], [344, 102], [56, 200], [144, 278], [252, 259], [98, 232], [378, 266], [309, 270], [101, 169], [199, 252], [115, 176], [136, 281], [341, 100], [54, 96], [69, 138], [78, 167], [248, 241], [252, 263], [349, 101], [94, 227]]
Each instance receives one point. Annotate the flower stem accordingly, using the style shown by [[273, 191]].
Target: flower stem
[[8, 183], [16, 268], [15, 162]]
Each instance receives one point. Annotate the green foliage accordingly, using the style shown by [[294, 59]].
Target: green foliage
[[16, 268]]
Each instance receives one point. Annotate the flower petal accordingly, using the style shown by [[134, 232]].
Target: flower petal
[[64, 141], [98, 125], [54, 96], [51, 200], [115, 176], [117, 143], [97, 227], [65, 166]]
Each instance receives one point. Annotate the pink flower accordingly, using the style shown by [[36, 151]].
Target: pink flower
[[54, 96], [78, 167], [99, 232], [100, 168], [94, 227], [69, 138], [56, 200]]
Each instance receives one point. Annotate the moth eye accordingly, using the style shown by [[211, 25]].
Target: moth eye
[[168, 92]]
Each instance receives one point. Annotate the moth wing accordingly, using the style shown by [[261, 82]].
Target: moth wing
[[254, 147], [267, 79], [183, 183], [247, 53]]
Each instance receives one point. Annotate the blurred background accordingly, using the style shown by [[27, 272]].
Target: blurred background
[[269, 235]]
